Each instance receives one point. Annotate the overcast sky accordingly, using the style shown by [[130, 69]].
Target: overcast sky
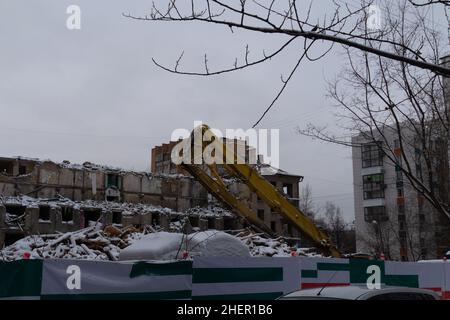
[[95, 95]]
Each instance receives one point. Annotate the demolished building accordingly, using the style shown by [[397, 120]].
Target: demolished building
[[49, 197]]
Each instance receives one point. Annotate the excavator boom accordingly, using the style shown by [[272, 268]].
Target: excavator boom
[[249, 175]]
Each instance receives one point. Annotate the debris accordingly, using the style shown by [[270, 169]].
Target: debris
[[170, 245], [106, 243], [259, 246], [91, 243]]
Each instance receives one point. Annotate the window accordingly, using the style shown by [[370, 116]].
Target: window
[[261, 214], [66, 214], [377, 213], [288, 189], [373, 186], [399, 176], [22, 170], [44, 213], [401, 209], [117, 217], [6, 167], [112, 180], [399, 192], [92, 215], [273, 225], [371, 155], [16, 210]]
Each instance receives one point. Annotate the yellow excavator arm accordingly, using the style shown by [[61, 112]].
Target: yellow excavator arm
[[209, 177]]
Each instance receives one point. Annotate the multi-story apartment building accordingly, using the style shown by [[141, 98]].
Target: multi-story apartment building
[[392, 217]]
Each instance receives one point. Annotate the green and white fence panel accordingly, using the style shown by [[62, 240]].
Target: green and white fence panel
[[78, 279], [433, 275], [244, 278], [21, 279], [207, 277], [319, 272]]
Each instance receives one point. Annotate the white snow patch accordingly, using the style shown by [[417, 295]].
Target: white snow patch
[[168, 246]]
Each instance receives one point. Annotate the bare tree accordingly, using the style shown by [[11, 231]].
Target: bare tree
[[293, 21], [424, 3], [404, 235], [334, 222], [306, 203], [398, 107]]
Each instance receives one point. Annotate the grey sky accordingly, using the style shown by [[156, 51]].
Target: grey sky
[[94, 94]]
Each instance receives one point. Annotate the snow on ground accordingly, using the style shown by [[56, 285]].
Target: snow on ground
[[105, 206], [98, 243], [170, 246]]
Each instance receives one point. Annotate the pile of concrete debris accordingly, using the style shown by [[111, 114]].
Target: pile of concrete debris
[[23, 216], [92, 243], [262, 246], [98, 243]]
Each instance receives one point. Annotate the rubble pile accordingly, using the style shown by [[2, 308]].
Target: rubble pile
[[124, 207], [92, 243], [108, 206], [98, 243], [210, 211], [261, 246]]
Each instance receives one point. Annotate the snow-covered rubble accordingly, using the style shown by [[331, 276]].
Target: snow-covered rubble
[[210, 211], [98, 243], [266, 247], [124, 207], [91, 243], [169, 246], [108, 206]]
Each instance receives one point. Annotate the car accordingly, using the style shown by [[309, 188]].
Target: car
[[361, 293]]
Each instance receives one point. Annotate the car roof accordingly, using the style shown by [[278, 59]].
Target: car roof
[[351, 292]]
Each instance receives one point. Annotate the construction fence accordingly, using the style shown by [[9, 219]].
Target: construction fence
[[208, 277]]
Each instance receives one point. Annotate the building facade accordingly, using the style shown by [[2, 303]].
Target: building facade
[[391, 216], [47, 179]]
